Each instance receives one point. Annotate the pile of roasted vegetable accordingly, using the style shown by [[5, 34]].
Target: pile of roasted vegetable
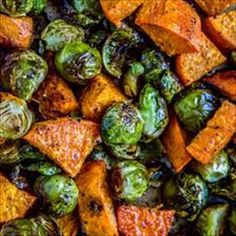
[[117, 117]]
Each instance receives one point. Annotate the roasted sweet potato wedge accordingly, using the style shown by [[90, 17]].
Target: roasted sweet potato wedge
[[218, 132], [14, 203], [95, 204], [173, 25], [15, 32], [66, 141]]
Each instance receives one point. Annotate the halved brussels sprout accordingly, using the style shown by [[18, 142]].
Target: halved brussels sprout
[[187, 194], [9, 152], [58, 33], [38, 6], [129, 180], [16, 8], [195, 107], [232, 220], [212, 220], [77, 62], [131, 81], [154, 112], [121, 124], [58, 192], [96, 39], [214, 171], [23, 72], [16, 118]]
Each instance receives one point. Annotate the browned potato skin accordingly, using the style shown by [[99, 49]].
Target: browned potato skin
[[214, 7], [222, 30], [98, 96], [192, 66], [95, 203], [15, 32], [226, 83], [173, 25], [55, 98], [174, 140], [118, 10], [66, 141], [218, 132], [14, 203]]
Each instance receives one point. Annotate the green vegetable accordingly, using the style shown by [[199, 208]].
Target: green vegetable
[[97, 39], [121, 124], [214, 171], [154, 112], [38, 6], [23, 72], [28, 152], [16, 8], [232, 220], [77, 62], [187, 194], [131, 81], [58, 33], [233, 57], [212, 220], [16, 118], [9, 152], [195, 107], [58, 192], [129, 180]]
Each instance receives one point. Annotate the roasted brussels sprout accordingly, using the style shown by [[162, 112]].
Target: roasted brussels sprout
[[77, 62], [129, 180], [187, 194], [121, 124], [58, 33], [23, 72], [38, 6], [28, 152], [195, 107], [38, 226], [16, 118], [154, 112], [16, 8], [131, 79], [58, 192], [96, 39], [212, 220], [214, 171], [9, 152], [232, 220]]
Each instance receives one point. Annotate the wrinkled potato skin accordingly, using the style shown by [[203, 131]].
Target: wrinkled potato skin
[[218, 132], [15, 32], [66, 141], [98, 96], [14, 203], [55, 97], [94, 203]]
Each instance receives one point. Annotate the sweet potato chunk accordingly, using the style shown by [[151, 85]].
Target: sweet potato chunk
[[222, 30], [98, 96], [214, 7], [173, 25], [225, 82], [143, 221], [95, 204], [192, 66], [118, 10], [66, 141], [15, 32], [175, 141], [55, 97], [218, 132], [14, 203]]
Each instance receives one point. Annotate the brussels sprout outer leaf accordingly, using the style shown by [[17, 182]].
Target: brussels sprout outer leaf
[[38, 6], [232, 220]]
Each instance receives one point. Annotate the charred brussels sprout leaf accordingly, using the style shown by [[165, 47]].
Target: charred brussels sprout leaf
[[187, 194], [129, 180], [38, 6], [28, 152], [23, 72], [214, 171], [232, 220], [58, 33], [16, 118], [154, 112], [58, 192], [96, 39], [16, 8], [195, 107], [77, 62], [9, 152], [121, 124], [211, 221], [131, 79]]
